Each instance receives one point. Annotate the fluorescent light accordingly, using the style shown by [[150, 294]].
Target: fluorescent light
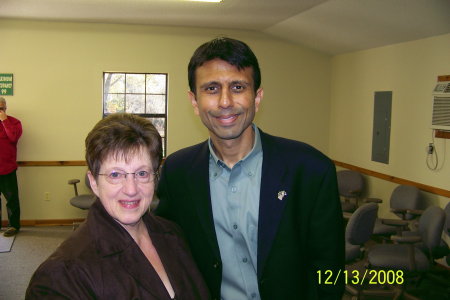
[[213, 1]]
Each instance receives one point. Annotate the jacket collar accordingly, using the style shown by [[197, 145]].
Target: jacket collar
[[270, 207], [273, 197], [112, 240], [198, 182]]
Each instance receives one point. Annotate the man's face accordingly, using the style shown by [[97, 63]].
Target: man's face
[[225, 98]]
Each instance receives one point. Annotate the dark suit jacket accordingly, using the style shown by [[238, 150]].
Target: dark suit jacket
[[100, 260], [297, 236]]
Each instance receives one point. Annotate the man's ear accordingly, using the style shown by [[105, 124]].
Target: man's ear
[[93, 183], [258, 98], [194, 102]]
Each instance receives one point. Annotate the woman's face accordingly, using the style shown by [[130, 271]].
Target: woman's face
[[129, 199]]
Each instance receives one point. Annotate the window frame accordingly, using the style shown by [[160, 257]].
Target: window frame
[[144, 115]]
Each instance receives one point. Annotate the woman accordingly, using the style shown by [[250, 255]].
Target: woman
[[121, 251]]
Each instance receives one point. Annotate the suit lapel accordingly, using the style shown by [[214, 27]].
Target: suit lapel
[[115, 244], [270, 207], [132, 261], [273, 197], [198, 182]]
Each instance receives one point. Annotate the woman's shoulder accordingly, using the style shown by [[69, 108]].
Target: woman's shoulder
[[65, 271], [162, 225], [73, 253]]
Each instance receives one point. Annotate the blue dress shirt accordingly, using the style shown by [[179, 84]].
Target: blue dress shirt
[[235, 206]]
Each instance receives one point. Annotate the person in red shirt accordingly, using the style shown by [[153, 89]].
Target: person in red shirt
[[10, 132]]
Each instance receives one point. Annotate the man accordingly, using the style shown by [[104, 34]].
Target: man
[[261, 213], [10, 132]]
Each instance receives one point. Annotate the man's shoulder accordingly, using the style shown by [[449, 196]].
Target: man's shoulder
[[12, 120], [186, 155], [293, 150], [290, 145]]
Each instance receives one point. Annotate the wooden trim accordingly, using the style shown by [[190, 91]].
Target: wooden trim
[[426, 188], [76, 163], [442, 134], [444, 78], [423, 187], [56, 222], [52, 163]]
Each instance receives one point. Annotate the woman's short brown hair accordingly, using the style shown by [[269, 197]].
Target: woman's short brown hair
[[122, 134]]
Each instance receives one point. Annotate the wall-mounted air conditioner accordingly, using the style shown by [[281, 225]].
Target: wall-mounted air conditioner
[[441, 106]]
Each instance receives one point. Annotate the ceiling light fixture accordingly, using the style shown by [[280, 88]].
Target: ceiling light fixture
[[212, 1]]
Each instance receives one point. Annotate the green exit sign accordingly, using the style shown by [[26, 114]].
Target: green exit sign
[[6, 84]]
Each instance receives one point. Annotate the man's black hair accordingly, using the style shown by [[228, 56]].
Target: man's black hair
[[232, 51]]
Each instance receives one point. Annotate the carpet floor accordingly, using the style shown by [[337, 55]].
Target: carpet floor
[[34, 244], [6, 242], [31, 247]]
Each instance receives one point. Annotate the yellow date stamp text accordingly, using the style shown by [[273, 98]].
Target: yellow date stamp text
[[371, 277]]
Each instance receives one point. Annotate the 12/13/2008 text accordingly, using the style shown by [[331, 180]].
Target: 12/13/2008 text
[[371, 277]]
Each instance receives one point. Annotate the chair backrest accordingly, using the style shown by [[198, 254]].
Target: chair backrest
[[431, 224], [350, 183], [406, 197], [87, 182], [447, 219], [447, 228], [360, 225]]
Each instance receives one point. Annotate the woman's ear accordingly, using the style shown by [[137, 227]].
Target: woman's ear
[[93, 183]]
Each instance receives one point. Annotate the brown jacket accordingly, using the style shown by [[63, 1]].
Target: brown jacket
[[100, 260]]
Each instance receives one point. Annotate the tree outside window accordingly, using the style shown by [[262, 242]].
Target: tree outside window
[[143, 94]]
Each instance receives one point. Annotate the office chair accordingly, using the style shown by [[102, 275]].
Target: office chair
[[83, 201], [351, 185], [447, 232], [359, 230], [404, 198], [357, 233], [440, 275], [405, 256]]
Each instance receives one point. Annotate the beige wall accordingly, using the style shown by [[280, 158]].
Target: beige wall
[[58, 70], [324, 101], [410, 71]]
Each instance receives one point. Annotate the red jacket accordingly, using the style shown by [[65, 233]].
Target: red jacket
[[10, 132]]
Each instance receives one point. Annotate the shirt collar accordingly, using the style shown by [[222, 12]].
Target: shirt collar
[[248, 163]]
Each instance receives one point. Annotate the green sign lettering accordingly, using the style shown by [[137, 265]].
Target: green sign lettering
[[6, 84]]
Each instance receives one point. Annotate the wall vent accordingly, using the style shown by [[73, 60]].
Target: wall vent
[[441, 106]]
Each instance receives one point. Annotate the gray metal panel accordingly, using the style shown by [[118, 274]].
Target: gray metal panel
[[381, 126]]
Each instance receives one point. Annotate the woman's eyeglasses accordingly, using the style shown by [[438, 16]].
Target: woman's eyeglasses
[[140, 176]]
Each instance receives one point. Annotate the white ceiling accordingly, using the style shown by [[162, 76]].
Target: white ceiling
[[329, 26]]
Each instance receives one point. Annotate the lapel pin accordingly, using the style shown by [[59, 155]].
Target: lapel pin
[[281, 195]]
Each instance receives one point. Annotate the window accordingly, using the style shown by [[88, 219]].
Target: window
[[143, 94]]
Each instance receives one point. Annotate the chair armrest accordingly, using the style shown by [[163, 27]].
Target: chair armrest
[[398, 210], [406, 239], [355, 192], [73, 181], [373, 200], [393, 222], [416, 212], [346, 215]]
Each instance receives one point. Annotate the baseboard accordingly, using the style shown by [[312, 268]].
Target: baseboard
[[56, 222]]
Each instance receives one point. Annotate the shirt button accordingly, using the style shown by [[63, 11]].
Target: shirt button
[[234, 189], [250, 174], [244, 260], [215, 265], [235, 226]]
